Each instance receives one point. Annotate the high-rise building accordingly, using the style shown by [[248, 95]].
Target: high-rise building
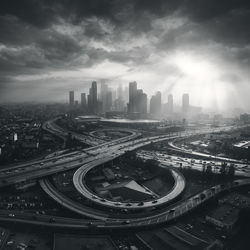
[[94, 89], [92, 99], [83, 99], [83, 102], [155, 104], [170, 104], [132, 97], [119, 102], [158, 101], [125, 94], [109, 101], [185, 103], [103, 96], [119, 105], [143, 103], [120, 92], [137, 101], [71, 98]]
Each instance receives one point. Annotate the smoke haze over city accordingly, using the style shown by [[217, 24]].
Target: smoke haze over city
[[48, 48], [124, 124]]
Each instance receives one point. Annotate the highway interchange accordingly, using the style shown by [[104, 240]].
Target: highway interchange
[[86, 159]]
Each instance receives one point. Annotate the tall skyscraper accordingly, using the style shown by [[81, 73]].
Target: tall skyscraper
[[137, 101], [170, 104], [71, 98], [155, 105], [143, 103], [83, 100], [140, 102], [132, 96], [119, 102], [92, 99], [94, 89], [109, 100], [103, 96], [125, 94], [120, 92], [185, 103], [158, 101], [119, 105], [152, 105]]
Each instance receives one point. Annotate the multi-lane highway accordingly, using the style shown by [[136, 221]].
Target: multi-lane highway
[[199, 154], [171, 213], [81, 187], [52, 127], [48, 166], [76, 159], [241, 168], [89, 158], [45, 167]]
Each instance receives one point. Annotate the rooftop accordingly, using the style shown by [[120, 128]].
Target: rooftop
[[130, 120], [226, 214]]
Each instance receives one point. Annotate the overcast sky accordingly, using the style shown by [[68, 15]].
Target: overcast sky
[[197, 46]]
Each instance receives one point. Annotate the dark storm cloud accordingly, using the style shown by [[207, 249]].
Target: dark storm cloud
[[41, 36]]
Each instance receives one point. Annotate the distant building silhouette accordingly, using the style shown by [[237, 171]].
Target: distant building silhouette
[[185, 103], [103, 96], [132, 97], [92, 99], [83, 102], [155, 105], [109, 101], [119, 102], [141, 102], [170, 104], [137, 106], [71, 98], [83, 99]]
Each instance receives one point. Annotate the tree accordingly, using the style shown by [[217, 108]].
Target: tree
[[231, 171], [209, 169], [223, 168]]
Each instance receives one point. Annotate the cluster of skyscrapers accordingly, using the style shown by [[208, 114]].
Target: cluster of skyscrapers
[[106, 100], [137, 101]]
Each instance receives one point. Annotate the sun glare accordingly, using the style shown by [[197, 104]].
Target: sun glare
[[201, 79]]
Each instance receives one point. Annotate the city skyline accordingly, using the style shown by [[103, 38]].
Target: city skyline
[[130, 100]]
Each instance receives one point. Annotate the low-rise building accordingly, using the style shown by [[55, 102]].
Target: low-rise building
[[225, 217]]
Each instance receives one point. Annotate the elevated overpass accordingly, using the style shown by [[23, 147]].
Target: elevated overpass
[[170, 214], [116, 148], [87, 159], [81, 187]]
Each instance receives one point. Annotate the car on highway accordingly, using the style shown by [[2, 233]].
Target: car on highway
[[202, 196], [91, 224], [51, 220], [126, 222]]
